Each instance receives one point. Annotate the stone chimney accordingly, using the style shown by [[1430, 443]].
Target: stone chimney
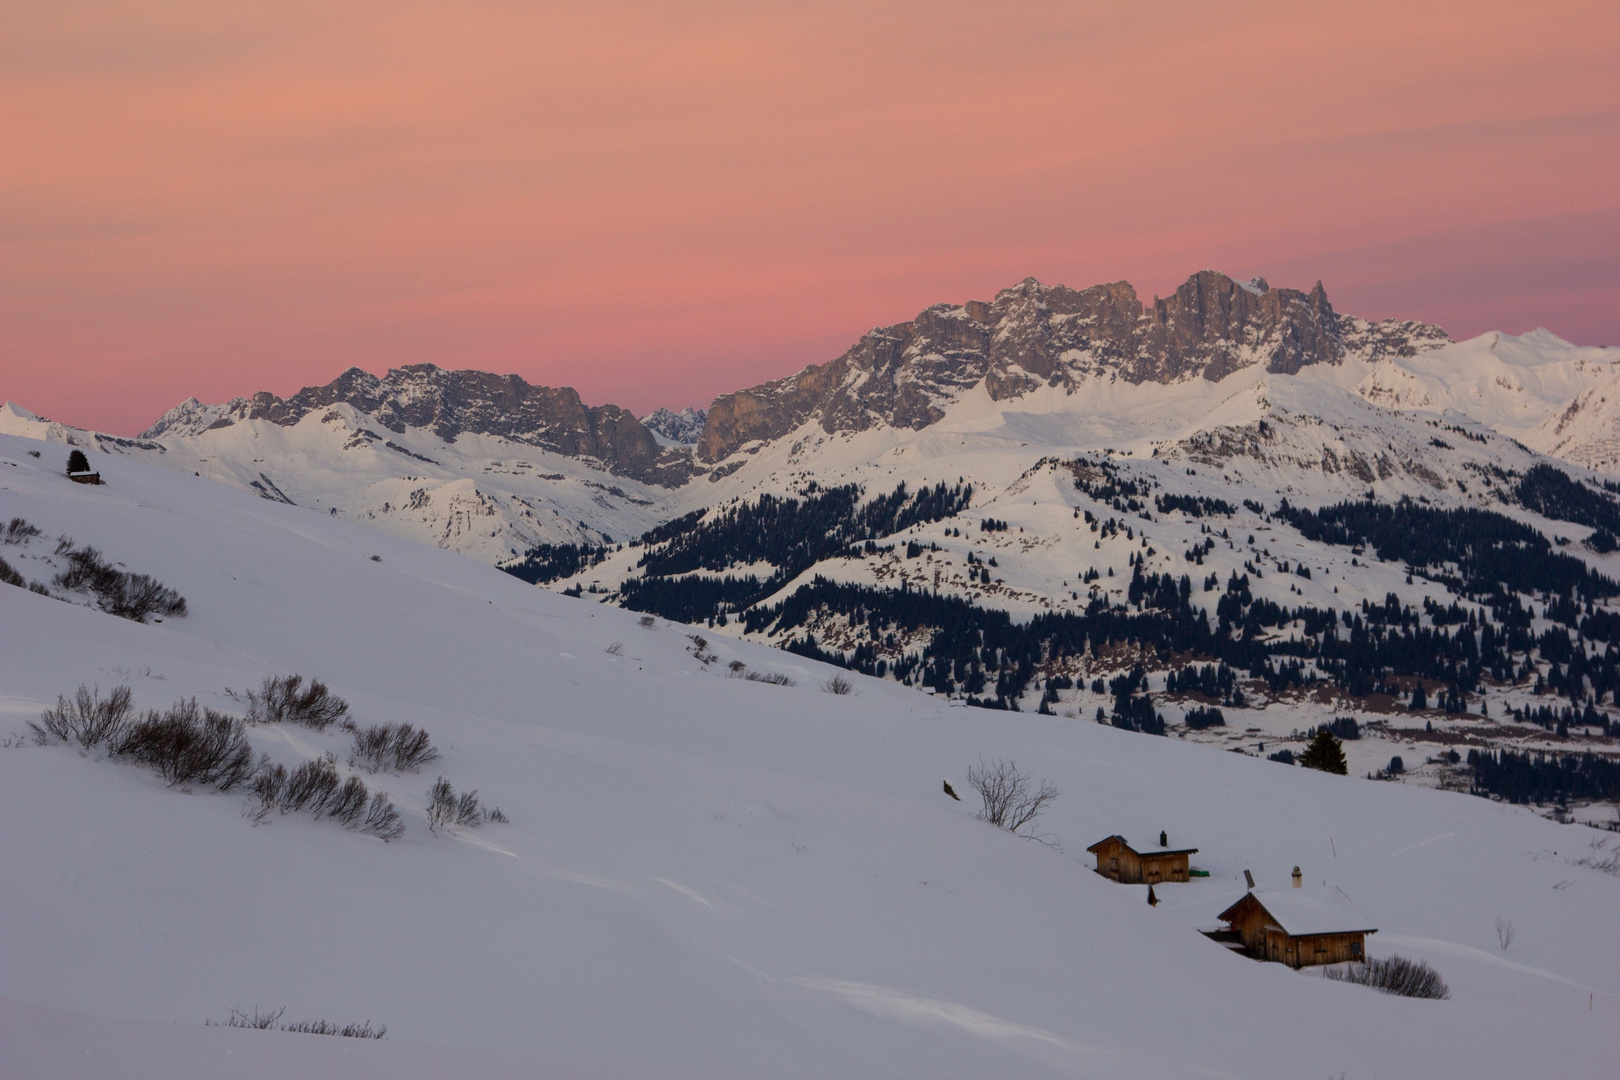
[[1298, 878]]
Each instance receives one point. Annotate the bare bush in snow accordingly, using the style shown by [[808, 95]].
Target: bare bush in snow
[[268, 1020], [189, 745], [347, 1031], [88, 719], [258, 1021], [1396, 975], [392, 748], [129, 596], [19, 531], [314, 787], [838, 685], [382, 820], [774, 678], [286, 698], [1504, 933], [1010, 800], [445, 808], [648, 622]]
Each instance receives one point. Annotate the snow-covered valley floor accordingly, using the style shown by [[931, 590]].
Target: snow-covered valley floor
[[702, 876]]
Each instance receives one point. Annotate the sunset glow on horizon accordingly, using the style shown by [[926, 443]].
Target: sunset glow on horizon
[[656, 204]]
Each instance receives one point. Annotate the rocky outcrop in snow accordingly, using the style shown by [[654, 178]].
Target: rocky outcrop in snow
[[683, 427]]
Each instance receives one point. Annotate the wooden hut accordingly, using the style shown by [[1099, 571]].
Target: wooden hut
[[1120, 862], [1296, 927], [84, 477]]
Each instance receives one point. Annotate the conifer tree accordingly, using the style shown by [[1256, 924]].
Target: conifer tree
[[1325, 753], [77, 462]]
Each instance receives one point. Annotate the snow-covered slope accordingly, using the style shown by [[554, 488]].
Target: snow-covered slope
[[702, 875], [1538, 388], [484, 495]]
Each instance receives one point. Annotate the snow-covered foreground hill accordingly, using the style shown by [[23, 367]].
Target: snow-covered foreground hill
[[702, 876]]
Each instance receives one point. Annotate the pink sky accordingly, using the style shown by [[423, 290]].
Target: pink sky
[[657, 203]]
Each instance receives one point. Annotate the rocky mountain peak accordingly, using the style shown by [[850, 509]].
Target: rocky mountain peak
[[1034, 334], [452, 403], [682, 427]]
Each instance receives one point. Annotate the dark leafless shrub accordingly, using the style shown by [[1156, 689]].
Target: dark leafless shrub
[[1396, 975], [270, 788], [441, 805], [615, 649], [1504, 933], [138, 596], [496, 816], [88, 719], [190, 745], [286, 698], [838, 685], [382, 820], [735, 669], [445, 808], [258, 1021], [85, 568], [391, 747], [1600, 859], [1010, 802], [348, 803], [9, 576], [129, 596], [347, 1031], [647, 622], [314, 786], [19, 531], [38, 587], [775, 678], [265, 1021]]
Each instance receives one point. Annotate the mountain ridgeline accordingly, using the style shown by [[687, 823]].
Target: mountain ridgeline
[[1035, 335]]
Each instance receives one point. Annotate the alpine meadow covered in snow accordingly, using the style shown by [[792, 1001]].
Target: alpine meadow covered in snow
[[276, 771]]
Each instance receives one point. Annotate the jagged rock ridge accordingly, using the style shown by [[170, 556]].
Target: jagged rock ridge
[[450, 403], [684, 427], [1034, 334]]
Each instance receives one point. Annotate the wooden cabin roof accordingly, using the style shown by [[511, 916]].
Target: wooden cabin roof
[[1306, 912], [1116, 838]]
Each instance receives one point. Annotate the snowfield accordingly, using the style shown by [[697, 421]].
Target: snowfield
[[702, 876]]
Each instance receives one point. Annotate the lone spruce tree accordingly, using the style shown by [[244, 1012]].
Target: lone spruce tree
[[77, 462], [1325, 753]]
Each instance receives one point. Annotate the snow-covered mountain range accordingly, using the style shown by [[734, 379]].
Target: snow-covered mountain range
[[492, 466], [1053, 444]]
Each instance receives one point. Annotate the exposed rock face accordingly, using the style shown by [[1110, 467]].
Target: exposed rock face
[[449, 403], [1033, 335], [683, 427]]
